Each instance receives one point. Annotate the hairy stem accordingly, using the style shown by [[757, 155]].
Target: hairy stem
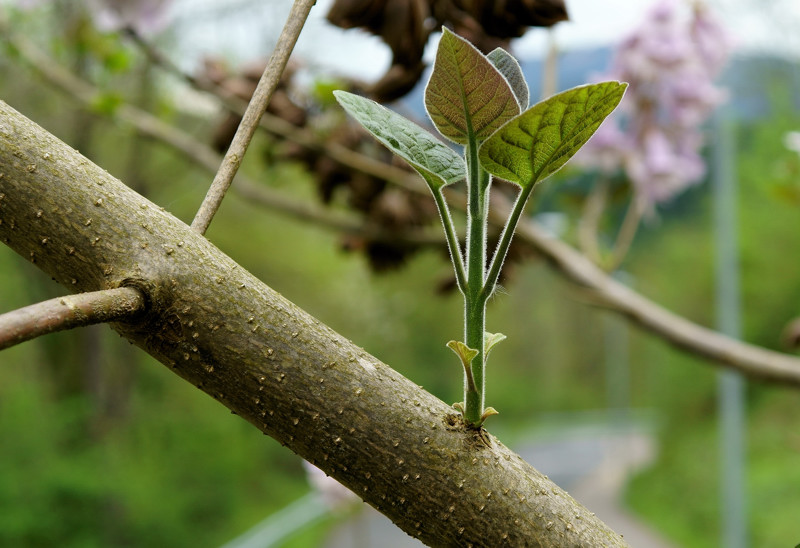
[[474, 298], [252, 116], [452, 240], [505, 241]]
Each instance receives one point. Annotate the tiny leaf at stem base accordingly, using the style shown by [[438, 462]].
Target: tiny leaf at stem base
[[466, 355]]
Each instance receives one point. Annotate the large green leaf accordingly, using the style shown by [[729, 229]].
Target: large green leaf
[[509, 67], [466, 94], [539, 141], [438, 164]]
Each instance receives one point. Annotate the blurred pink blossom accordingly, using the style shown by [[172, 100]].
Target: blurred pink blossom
[[143, 16], [655, 136], [713, 43]]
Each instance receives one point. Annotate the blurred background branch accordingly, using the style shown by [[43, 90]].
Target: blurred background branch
[[567, 367]]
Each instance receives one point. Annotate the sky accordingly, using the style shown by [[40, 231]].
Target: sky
[[243, 29]]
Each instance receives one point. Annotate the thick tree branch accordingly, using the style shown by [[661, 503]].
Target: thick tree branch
[[400, 448], [109, 305], [252, 116], [752, 360]]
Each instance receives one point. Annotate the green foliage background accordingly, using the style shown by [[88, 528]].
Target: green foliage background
[[173, 468]]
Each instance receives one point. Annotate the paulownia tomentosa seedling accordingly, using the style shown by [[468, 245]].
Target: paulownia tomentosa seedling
[[481, 102]]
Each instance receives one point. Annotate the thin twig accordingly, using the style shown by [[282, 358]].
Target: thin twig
[[627, 232], [588, 226], [282, 128], [109, 305], [324, 217], [252, 116]]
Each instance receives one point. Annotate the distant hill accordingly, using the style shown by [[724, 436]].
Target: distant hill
[[751, 80]]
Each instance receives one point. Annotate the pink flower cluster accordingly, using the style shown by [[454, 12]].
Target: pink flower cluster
[[143, 16], [670, 63]]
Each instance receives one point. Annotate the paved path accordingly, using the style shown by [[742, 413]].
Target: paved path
[[592, 463]]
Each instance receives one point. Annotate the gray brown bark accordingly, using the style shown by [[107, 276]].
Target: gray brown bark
[[401, 449], [68, 312]]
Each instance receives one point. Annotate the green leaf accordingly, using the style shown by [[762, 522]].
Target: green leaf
[[106, 103], [510, 69], [438, 164], [466, 355], [491, 339], [488, 412], [539, 141], [466, 95], [464, 352]]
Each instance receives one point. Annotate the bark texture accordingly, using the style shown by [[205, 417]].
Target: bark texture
[[68, 312], [401, 449]]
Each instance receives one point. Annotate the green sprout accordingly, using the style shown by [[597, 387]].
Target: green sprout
[[481, 102]]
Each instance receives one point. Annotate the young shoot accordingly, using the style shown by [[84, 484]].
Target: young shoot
[[480, 102]]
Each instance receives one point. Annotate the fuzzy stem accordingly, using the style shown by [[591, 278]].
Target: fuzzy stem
[[474, 298], [505, 241], [452, 239]]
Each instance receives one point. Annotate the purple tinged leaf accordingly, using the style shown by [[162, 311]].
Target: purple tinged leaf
[[438, 164], [466, 94], [539, 141]]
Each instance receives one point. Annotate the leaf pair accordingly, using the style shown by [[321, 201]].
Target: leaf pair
[[478, 101], [475, 97]]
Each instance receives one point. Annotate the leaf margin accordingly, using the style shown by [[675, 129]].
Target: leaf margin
[[509, 67], [501, 143], [435, 108], [379, 121]]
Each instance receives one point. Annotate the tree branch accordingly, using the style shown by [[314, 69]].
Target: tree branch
[[754, 361], [221, 329], [252, 116], [282, 128], [59, 314]]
